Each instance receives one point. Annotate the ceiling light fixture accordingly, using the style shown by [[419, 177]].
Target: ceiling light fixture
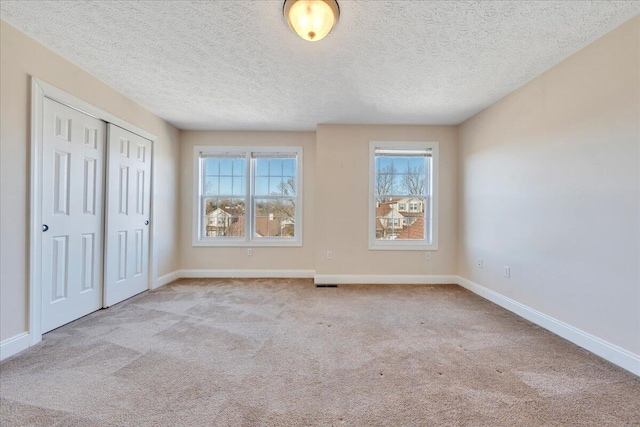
[[311, 19]]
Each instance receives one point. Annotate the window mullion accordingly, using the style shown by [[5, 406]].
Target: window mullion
[[202, 224], [427, 177], [427, 201], [249, 198]]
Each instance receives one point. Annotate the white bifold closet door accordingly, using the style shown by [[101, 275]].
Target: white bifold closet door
[[72, 214], [128, 214]]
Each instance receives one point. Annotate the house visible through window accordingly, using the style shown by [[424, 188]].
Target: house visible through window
[[403, 195], [248, 196]]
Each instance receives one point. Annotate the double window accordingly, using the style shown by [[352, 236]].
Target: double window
[[248, 196], [403, 195]]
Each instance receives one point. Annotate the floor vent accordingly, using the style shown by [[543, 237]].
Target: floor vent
[[326, 286]]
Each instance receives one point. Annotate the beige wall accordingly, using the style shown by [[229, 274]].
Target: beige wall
[[342, 199], [263, 258], [550, 187], [546, 181], [335, 203], [20, 57]]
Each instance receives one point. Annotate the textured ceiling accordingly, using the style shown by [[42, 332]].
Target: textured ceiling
[[236, 65]]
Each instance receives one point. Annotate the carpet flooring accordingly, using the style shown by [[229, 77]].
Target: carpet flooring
[[279, 352]]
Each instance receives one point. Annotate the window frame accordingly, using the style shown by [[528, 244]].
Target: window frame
[[405, 245], [248, 240]]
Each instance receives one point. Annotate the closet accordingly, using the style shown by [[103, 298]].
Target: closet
[[94, 201]]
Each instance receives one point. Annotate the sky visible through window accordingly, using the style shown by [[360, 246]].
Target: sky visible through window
[[401, 189], [227, 176], [275, 177], [251, 195], [401, 175]]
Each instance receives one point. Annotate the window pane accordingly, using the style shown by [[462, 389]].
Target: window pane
[[212, 167], [400, 175], [386, 179], [224, 176], [275, 167], [275, 186], [274, 218], [210, 186], [400, 164], [226, 185], [414, 230], [289, 167], [417, 163], [400, 219], [262, 167], [275, 176], [413, 184], [389, 220], [225, 166], [239, 168], [223, 217], [262, 186], [289, 186], [239, 186], [383, 162], [262, 207], [413, 179]]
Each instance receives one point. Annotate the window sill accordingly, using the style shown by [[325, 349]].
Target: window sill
[[402, 247], [245, 244]]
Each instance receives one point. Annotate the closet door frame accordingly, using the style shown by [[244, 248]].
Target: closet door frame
[[39, 91]]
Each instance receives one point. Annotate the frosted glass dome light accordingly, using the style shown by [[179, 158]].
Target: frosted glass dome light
[[311, 19]]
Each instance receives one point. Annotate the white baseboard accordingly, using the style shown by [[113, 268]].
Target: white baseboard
[[14, 345], [337, 279], [166, 279], [377, 279], [611, 352], [249, 274]]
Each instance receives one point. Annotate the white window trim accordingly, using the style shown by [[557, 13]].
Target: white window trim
[[247, 240], [404, 245]]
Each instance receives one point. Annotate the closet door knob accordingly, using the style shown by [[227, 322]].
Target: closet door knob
[[45, 228], [146, 222]]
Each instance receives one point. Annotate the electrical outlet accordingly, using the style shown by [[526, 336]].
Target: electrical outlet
[[480, 263], [507, 271], [329, 255], [249, 252], [427, 255]]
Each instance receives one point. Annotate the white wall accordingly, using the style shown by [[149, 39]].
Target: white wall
[[20, 57], [549, 185]]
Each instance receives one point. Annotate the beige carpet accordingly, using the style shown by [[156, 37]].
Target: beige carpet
[[283, 353]]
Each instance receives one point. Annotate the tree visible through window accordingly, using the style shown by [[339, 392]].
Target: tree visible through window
[[248, 196], [224, 190], [275, 195], [402, 194]]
